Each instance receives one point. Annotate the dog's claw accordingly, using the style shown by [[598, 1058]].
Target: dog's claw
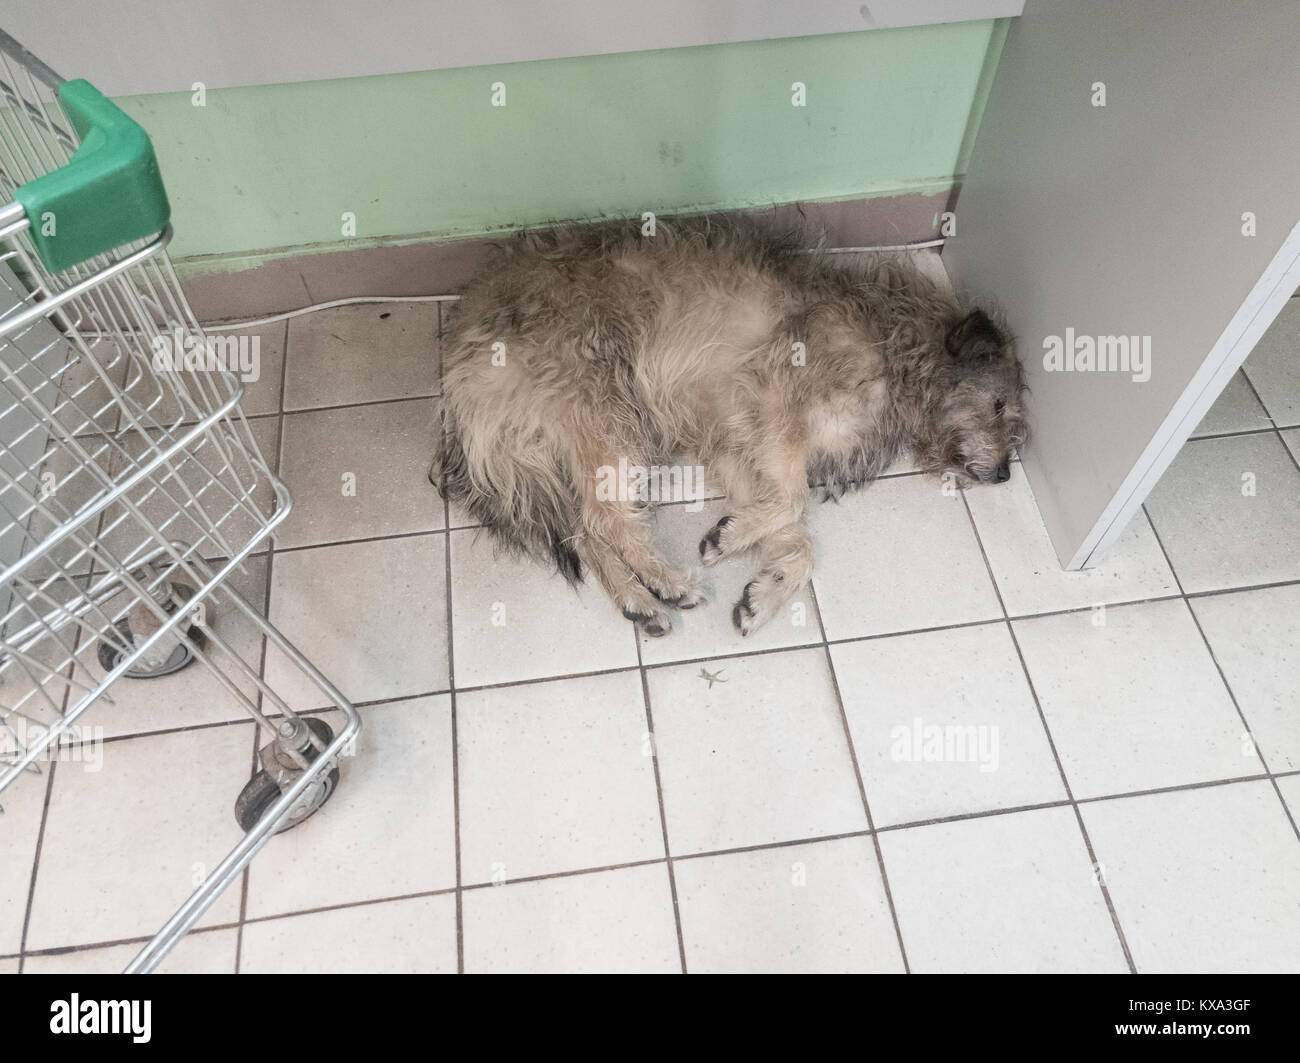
[[743, 614], [740, 618], [678, 601], [711, 545]]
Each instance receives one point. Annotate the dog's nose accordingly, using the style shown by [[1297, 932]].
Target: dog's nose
[[1002, 473]]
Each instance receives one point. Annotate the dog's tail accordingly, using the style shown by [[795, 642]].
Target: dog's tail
[[521, 495]]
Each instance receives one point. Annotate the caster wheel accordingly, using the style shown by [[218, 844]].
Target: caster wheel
[[110, 656], [261, 792]]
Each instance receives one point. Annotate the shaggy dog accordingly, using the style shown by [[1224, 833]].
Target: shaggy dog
[[586, 347]]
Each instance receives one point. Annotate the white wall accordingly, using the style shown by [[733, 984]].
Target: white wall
[[136, 46]]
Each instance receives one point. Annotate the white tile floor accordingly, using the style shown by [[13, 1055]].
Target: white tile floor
[[946, 756]]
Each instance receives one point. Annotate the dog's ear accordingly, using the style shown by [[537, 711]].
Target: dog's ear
[[975, 339]]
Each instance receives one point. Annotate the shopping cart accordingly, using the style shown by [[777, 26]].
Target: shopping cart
[[131, 487]]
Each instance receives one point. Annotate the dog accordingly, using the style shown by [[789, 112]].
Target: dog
[[584, 347]]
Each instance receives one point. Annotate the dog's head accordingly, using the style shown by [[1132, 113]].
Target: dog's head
[[976, 417]]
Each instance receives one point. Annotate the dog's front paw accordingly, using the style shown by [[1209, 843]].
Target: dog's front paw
[[682, 588], [713, 547], [643, 608]]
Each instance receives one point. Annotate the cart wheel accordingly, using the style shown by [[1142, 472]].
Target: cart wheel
[[261, 792], [110, 656]]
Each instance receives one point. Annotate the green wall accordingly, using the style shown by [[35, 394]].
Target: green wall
[[272, 168]]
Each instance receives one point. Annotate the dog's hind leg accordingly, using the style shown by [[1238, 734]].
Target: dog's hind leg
[[614, 545], [785, 567], [628, 593], [772, 523], [773, 492], [785, 558], [615, 539]]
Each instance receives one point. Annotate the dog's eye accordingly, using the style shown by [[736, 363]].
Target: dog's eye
[[998, 407]]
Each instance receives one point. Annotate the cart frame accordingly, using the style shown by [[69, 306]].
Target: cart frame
[[147, 451]]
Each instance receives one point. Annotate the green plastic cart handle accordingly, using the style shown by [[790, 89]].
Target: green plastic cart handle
[[110, 193]]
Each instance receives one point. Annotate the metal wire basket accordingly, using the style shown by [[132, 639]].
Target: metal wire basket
[[131, 487]]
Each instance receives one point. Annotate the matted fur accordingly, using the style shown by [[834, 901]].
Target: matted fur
[[617, 346]]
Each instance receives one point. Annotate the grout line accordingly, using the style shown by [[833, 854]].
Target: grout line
[[962, 817], [857, 775], [549, 875], [848, 640], [766, 846], [245, 875], [835, 641], [659, 796], [1051, 741], [369, 902], [65, 950], [176, 429], [451, 687], [1235, 434], [362, 541], [1289, 452], [358, 405], [1223, 677], [1121, 604], [1272, 428], [1204, 785], [49, 793], [549, 678], [36, 863], [783, 844], [239, 721], [1238, 590], [1254, 391], [455, 757], [374, 703]]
